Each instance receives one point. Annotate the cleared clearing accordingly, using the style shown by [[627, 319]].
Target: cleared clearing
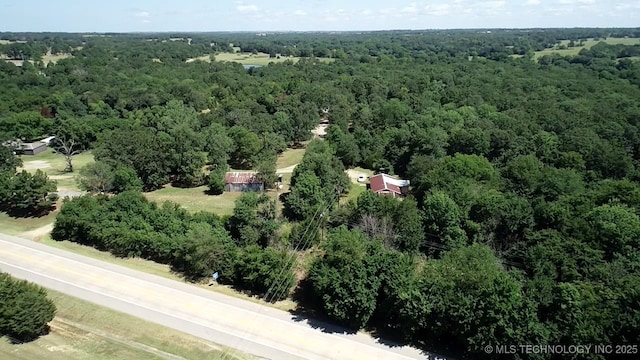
[[587, 45], [82, 330], [251, 59]]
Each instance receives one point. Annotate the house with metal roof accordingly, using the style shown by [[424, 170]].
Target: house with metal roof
[[383, 184]]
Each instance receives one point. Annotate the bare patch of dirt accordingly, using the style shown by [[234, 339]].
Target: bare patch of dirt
[[35, 234], [286, 170]]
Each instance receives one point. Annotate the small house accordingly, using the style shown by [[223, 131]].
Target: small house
[[383, 184], [242, 181]]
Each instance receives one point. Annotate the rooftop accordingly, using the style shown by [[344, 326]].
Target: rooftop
[[383, 182], [241, 178]]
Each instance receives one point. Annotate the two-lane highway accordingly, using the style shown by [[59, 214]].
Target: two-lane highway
[[246, 326]]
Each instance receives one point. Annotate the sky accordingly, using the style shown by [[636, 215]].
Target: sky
[[309, 15]]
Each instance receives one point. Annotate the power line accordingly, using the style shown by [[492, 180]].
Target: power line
[[280, 285]]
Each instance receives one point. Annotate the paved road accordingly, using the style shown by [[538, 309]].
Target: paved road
[[246, 326]]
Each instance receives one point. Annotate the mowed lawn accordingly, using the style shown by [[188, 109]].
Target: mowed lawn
[[196, 199], [289, 157], [251, 59], [587, 45], [83, 330], [53, 164]]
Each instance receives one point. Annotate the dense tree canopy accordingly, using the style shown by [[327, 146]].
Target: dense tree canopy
[[521, 223]]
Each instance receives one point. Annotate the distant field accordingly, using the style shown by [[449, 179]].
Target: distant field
[[54, 58], [83, 330], [587, 45], [250, 59], [5, 42], [46, 59]]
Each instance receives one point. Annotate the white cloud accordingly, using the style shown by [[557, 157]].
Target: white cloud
[[577, 2], [246, 8], [533, 2], [366, 12], [300, 13], [437, 9], [143, 14], [411, 9]]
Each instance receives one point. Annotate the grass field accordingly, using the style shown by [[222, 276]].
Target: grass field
[[353, 194], [15, 226], [82, 330], [587, 45], [289, 157], [53, 165], [250, 59], [154, 268], [54, 58], [195, 199]]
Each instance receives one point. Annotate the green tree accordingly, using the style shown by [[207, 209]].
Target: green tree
[[305, 198], [346, 278], [125, 179], [614, 229], [267, 272], [254, 220], [467, 300], [266, 170], [29, 194], [25, 310], [442, 221], [216, 181], [96, 177], [9, 162], [203, 250]]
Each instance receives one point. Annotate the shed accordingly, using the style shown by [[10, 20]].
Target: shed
[[34, 148], [242, 181], [383, 184]]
